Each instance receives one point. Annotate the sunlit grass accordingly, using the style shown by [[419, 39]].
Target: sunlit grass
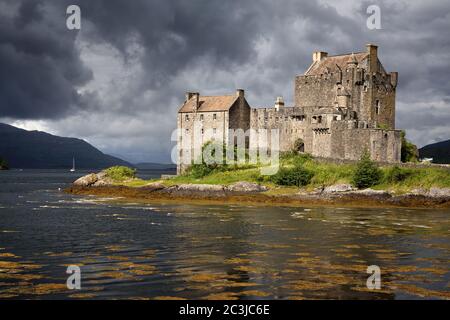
[[324, 174]]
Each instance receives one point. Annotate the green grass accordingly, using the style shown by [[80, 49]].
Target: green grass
[[425, 178], [219, 177], [135, 183], [120, 173], [397, 179]]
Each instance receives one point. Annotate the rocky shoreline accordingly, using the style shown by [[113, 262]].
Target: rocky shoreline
[[254, 194]]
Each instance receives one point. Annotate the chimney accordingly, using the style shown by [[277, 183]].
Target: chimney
[[189, 95], [372, 50], [279, 103], [319, 55], [240, 93], [196, 96]]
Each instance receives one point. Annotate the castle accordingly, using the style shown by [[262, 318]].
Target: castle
[[343, 105]]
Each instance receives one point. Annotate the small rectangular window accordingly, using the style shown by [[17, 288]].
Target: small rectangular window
[[201, 117], [214, 130], [214, 116], [186, 117], [377, 106]]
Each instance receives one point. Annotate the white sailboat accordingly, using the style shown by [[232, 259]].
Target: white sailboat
[[73, 165]]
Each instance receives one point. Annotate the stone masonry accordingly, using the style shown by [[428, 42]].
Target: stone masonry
[[343, 105]]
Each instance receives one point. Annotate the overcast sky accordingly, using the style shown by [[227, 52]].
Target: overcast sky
[[118, 82]]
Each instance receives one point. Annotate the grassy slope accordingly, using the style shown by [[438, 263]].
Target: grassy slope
[[325, 174]]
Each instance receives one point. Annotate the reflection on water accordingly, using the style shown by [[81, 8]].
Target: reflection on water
[[168, 251]]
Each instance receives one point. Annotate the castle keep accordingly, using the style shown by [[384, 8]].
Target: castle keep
[[343, 105]]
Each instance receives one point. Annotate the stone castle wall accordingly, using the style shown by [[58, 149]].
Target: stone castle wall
[[331, 138], [339, 112], [195, 129], [289, 122]]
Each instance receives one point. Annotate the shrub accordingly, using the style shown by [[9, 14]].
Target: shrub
[[301, 159], [383, 126], [409, 151], [367, 173], [297, 176], [200, 170], [286, 155], [294, 158], [397, 174], [120, 173]]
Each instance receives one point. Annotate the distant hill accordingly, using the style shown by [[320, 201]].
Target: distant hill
[[36, 149], [440, 152], [155, 166]]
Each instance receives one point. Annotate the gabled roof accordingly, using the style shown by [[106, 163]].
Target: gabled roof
[[209, 103], [329, 63]]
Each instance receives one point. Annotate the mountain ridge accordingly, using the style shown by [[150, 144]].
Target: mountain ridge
[[41, 150], [439, 151], [155, 166]]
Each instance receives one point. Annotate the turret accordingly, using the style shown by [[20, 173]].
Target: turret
[[394, 79], [343, 98]]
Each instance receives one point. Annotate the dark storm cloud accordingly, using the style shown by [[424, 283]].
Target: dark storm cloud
[[39, 65], [156, 50], [175, 32], [414, 41], [222, 34]]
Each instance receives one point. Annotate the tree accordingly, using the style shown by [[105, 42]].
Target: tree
[[3, 164], [367, 172], [409, 151], [209, 161]]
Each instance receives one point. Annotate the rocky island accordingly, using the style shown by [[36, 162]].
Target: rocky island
[[301, 180]]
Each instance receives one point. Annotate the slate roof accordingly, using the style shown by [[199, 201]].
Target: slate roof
[[209, 103], [329, 63]]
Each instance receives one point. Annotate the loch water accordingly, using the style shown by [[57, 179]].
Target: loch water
[[129, 250]]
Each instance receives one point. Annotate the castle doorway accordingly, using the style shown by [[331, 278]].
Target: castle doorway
[[299, 145]]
